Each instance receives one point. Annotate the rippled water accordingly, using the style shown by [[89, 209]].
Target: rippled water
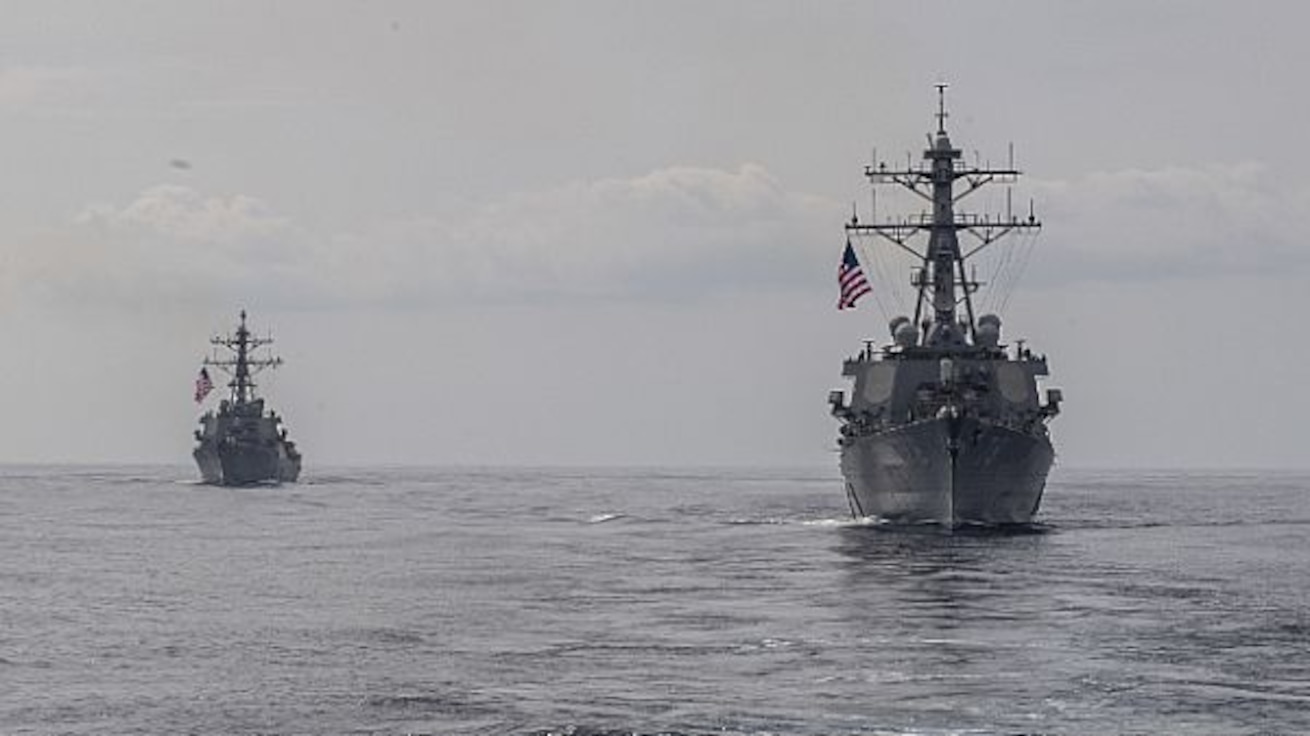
[[644, 601]]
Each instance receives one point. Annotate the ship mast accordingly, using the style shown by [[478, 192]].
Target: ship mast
[[242, 366], [941, 280]]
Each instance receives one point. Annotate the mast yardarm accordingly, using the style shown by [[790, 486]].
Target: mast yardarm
[[941, 281], [242, 365]]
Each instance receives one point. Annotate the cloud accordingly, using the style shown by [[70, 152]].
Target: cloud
[[674, 233], [168, 246], [1135, 226], [28, 85], [1177, 222], [180, 213], [682, 229]]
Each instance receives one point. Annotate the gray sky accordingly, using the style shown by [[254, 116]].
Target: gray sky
[[607, 232]]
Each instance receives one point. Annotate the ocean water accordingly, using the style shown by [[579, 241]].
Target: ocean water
[[134, 601]]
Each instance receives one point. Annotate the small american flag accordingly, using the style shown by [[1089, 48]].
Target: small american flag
[[203, 385], [850, 279]]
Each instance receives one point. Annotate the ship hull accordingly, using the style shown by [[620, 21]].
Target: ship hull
[[240, 464], [948, 471]]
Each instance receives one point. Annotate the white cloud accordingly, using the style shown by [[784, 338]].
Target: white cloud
[[177, 212], [167, 247], [1176, 222], [25, 85], [672, 233], [683, 229]]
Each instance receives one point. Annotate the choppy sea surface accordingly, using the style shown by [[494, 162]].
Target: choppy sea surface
[[399, 601]]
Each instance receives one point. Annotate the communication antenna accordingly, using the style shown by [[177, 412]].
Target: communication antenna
[[943, 279], [941, 108]]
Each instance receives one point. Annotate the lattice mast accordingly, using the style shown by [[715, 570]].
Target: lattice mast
[[942, 281], [242, 366]]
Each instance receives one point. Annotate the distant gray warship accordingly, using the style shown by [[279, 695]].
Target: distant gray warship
[[943, 424], [242, 444]]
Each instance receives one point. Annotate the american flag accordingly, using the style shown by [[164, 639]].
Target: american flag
[[850, 279], [203, 385]]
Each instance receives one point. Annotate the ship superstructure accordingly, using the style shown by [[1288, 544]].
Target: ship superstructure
[[240, 443], [944, 423]]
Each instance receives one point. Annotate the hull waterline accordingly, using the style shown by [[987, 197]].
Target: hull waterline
[[947, 471], [233, 465]]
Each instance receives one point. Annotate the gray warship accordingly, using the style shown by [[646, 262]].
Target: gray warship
[[241, 444], [943, 424]]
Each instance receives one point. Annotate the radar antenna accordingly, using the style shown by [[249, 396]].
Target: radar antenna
[[943, 282], [242, 366], [941, 108]]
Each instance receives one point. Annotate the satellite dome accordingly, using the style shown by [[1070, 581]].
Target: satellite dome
[[905, 334], [988, 333], [896, 323]]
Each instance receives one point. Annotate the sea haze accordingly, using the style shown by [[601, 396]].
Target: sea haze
[[134, 601]]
